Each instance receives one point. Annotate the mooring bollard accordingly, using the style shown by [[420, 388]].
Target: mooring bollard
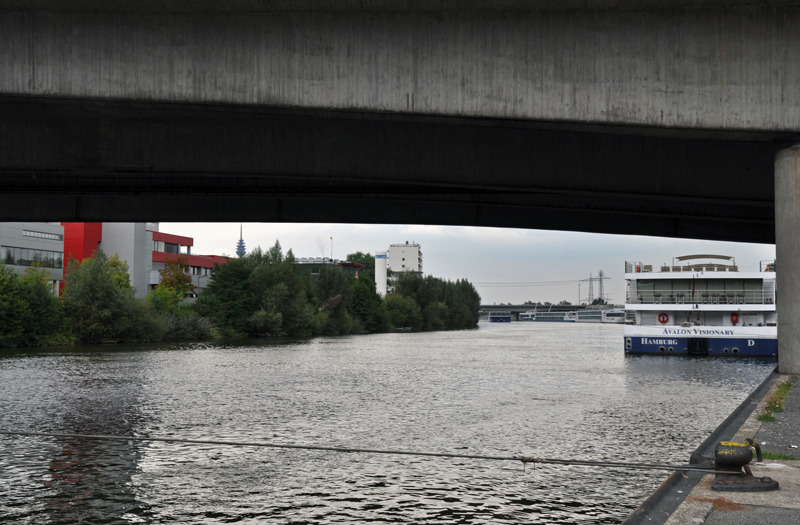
[[731, 461]]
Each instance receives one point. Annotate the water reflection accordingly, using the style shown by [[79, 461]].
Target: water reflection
[[84, 480], [533, 389]]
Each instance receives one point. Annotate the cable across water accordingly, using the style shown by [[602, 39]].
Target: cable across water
[[524, 459]]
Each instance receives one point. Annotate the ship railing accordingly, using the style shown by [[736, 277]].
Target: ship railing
[[705, 297], [709, 267], [638, 267]]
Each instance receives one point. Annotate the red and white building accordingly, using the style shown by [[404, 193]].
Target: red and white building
[[142, 246]]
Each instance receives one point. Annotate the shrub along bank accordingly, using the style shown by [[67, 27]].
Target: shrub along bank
[[260, 294]]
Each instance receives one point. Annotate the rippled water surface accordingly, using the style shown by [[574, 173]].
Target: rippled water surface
[[541, 389]]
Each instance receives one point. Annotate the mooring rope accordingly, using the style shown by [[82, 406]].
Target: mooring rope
[[524, 459]]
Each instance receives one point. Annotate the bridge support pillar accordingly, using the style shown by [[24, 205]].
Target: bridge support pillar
[[787, 249]]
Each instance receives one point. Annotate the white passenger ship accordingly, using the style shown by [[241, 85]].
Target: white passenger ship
[[499, 316], [611, 315], [697, 307]]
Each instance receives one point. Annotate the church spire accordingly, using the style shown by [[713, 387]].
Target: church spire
[[240, 251]]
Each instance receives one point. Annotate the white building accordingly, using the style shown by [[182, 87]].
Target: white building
[[133, 243], [24, 244], [405, 257]]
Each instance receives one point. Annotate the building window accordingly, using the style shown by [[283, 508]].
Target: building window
[[31, 257], [43, 235]]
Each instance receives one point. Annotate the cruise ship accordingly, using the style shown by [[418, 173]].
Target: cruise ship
[[499, 316], [701, 305], [606, 315]]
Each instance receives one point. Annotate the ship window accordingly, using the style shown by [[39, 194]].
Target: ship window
[[734, 285], [663, 285], [752, 291], [700, 291], [644, 288], [683, 285]]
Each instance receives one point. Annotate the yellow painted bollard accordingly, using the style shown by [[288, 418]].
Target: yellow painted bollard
[[732, 463]]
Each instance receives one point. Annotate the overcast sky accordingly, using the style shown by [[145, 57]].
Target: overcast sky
[[524, 265]]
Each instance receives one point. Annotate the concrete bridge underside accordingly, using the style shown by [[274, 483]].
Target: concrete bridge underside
[[98, 160], [673, 119]]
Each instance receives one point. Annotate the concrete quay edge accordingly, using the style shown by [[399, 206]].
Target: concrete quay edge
[[687, 498]]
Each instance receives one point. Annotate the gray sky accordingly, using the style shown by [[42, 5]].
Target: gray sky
[[515, 258]]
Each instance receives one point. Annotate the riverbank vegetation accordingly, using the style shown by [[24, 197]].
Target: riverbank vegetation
[[263, 293], [775, 403]]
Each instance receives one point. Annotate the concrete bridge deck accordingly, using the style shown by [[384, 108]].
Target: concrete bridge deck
[[669, 118]]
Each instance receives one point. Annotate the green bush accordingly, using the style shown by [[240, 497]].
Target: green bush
[[100, 304]]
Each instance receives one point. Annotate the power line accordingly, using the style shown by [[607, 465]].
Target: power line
[[530, 283]]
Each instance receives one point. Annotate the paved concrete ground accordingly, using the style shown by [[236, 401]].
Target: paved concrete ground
[[706, 506]]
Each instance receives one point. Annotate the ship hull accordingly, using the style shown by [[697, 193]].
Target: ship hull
[[709, 341]]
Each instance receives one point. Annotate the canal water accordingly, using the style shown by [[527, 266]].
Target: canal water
[[539, 389]]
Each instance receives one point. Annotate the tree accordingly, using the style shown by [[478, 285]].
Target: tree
[[369, 265], [599, 301], [100, 305], [463, 303], [435, 316], [281, 297], [227, 299], [444, 304], [174, 276], [334, 293], [565, 303], [165, 299], [13, 309], [120, 272], [367, 308], [260, 294], [45, 311], [403, 312]]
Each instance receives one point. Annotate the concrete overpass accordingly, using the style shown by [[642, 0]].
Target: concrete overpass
[[672, 118]]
